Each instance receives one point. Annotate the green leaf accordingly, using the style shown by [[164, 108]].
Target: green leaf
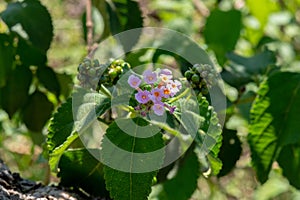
[[65, 84], [29, 54], [74, 116], [79, 169], [37, 111], [16, 91], [244, 104], [34, 19], [230, 151], [181, 61], [133, 57], [48, 78], [125, 15], [61, 125], [209, 137], [289, 161], [210, 134], [132, 154], [262, 9], [6, 57], [183, 184], [256, 64], [274, 120], [242, 70], [222, 31]]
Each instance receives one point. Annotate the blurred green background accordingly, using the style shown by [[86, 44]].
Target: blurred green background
[[272, 24]]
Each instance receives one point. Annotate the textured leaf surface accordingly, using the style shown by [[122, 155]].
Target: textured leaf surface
[[72, 117], [33, 18], [16, 92], [209, 137], [183, 184], [222, 31], [6, 57], [37, 111], [78, 168], [274, 120], [129, 185]]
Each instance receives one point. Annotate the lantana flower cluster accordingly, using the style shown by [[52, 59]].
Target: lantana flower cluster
[[153, 91]]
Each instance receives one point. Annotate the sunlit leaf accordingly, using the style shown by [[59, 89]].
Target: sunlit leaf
[[274, 120], [262, 9]]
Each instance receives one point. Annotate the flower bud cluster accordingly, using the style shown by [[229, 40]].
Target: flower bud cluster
[[201, 77], [92, 74]]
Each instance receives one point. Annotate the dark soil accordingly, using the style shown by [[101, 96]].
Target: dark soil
[[13, 187]]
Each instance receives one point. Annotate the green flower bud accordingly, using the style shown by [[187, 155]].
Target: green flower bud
[[81, 77], [188, 74], [119, 70], [92, 72], [126, 66], [195, 67], [87, 62], [199, 97], [195, 79], [94, 81], [112, 74], [96, 63], [204, 90], [204, 74]]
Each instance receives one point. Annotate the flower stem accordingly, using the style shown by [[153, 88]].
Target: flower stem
[[180, 95]]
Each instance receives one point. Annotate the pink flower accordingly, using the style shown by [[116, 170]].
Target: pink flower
[[134, 81], [142, 96], [158, 109], [150, 77], [156, 95], [165, 78], [166, 92], [165, 72], [174, 86]]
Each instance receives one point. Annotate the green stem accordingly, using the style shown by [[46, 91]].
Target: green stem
[[181, 95], [105, 91]]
